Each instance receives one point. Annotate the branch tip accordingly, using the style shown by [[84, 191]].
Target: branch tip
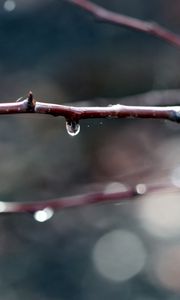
[[30, 102]]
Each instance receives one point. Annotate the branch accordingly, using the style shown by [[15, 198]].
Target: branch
[[74, 114], [120, 20], [81, 200]]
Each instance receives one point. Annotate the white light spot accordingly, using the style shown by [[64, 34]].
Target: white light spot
[[43, 215], [2, 207], [115, 187], [119, 255], [141, 188], [9, 5], [159, 214]]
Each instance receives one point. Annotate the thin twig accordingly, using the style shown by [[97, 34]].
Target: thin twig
[[74, 114], [171, 113], [132, 23], [68, 202], [86, 199]]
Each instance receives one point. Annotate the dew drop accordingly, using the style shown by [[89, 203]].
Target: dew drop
[[72, 127]]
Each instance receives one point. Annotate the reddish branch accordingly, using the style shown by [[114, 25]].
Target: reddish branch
[[81, 200], [68, 202], [171, 113], [74, 114], [135, 24]]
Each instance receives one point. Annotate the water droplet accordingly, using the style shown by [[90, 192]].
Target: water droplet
[[73, 127]]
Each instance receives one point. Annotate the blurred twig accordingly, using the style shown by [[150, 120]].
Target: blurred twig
[[151, 28], [80, 200]]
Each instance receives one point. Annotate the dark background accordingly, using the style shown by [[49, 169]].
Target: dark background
[[64, 55]]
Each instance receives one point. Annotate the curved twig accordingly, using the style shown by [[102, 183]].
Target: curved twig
[[132, 23]]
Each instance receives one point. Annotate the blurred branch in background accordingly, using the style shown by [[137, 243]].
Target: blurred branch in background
[[112, 193], [105, 15]]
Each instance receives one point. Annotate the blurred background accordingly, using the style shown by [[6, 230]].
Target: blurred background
[[110, 251]]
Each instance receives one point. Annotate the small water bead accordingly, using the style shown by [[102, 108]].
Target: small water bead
[[72, 127]]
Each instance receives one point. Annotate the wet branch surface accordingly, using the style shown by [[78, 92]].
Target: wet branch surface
[[108, 16]]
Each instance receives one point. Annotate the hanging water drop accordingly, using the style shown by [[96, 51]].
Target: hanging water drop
[[72, 127]]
